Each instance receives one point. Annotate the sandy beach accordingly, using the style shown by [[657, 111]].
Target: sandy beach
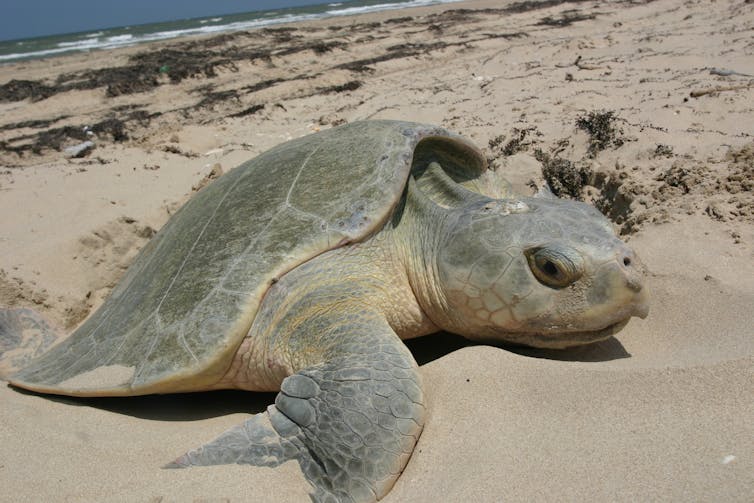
[[645, 109]]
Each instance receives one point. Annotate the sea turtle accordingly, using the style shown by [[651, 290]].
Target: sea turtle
[[302, 270]]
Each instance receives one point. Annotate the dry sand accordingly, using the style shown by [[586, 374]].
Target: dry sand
[[662, 412]]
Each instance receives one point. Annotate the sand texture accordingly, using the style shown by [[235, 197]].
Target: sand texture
[[644, 108]]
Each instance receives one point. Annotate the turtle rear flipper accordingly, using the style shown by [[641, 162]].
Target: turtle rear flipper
[[24, 335], [351, 423]]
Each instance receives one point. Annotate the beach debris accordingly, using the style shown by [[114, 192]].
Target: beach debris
[[341, 88], [728, 459], [722, 72], [331, 120], [211, 98], [174, 149], [520, 140], [325, 47], [564, 177], [600, 126], [719, 89], [713, 211], [566, 19], [484, 80], [248, 111], [33, 124], [586, 66], [662, 151], [80, 150], [19, 90], [214, 173], [581, 65]]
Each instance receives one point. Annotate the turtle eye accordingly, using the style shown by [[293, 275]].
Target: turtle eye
[[555, 267]]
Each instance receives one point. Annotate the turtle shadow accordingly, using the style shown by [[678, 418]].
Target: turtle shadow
[[433, 347], [172, 407], [208, 404], [603, 351]]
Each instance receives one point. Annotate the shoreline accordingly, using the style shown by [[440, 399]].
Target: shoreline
[[372, 15]]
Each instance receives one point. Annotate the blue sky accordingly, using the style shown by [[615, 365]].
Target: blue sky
[[33, 18]]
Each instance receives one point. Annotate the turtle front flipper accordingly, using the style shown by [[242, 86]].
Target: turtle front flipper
[[24, 335], [351, 422]]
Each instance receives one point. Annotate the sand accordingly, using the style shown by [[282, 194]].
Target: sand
[[664, 411]]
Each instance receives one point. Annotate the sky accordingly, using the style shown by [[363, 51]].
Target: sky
[[34, 18]]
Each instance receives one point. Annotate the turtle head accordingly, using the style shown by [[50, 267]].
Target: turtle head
[[538, 271]]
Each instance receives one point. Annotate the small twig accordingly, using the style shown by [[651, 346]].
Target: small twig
[[581, 66], [727, 73], [586, 66], [719, 89]]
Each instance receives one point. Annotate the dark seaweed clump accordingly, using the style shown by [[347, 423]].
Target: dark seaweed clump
[[566, 19], [348, 86], [662, 151], [56, 138], [112, 128], [32, 124], [530, 5], [600, 126], [520, 140], [19, 90], [565, 178], [145, 71], [248, 111]]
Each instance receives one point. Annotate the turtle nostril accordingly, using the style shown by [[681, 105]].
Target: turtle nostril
[[626, 261]]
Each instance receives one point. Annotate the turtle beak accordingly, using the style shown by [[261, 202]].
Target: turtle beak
[[641, 307]]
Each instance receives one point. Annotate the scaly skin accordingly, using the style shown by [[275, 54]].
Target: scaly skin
[[351, 406]]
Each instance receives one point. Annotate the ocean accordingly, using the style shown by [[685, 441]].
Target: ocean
[[55, 45]]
